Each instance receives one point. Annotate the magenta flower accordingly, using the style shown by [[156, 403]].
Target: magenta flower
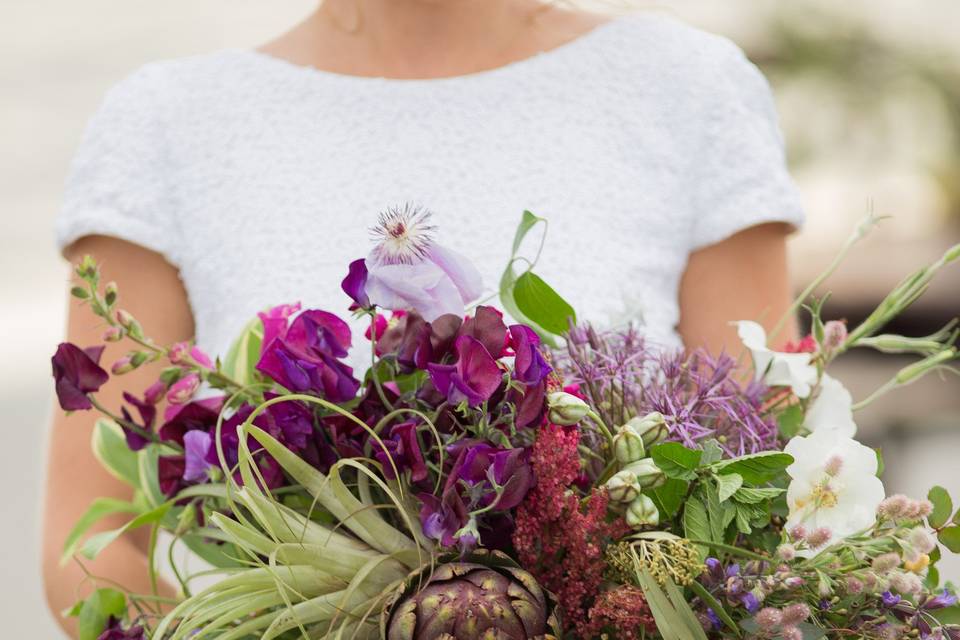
[[170, 471], [306, 357], [77, 372], [403, 449], [487, 326], [183, 390], [441, 518], [148, 415], [185, 353], [407, 270], [199, 414], [196, 448], [115, 631], [529, 366], [487, 467], [275, 320], [474, 377], [355, 284]]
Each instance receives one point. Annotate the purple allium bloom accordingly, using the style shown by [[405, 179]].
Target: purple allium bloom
[[196, 445], [77, 372], [148, 415], [355, 284], [275, 320], [403, 450], [474, 377], [306, 357], [481, 466], [529, 366], [115, 631]]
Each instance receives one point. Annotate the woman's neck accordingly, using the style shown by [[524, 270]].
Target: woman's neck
[[426, 38]]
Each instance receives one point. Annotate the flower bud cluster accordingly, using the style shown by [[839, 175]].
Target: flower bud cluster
[[782, 623], [637, 472], [900, 507]]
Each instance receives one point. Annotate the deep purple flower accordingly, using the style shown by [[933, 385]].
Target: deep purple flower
[[474, 377], [148, 415], [529, 366], [199, 414], [306, 358], [76, 373], [275, 320], [170, 471], [530, 403], [442, 518], [196, 445], [115, 631], [422, 343], [487, 326], [750, 602], [940, 601], [889, 599], [403, 450], [483, 467], [355, 284]]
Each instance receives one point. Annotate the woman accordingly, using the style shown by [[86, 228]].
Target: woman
[[213, 186]]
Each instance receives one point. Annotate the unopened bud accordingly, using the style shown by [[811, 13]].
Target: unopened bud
[[642, 512], [652, 428], [623, 487], [819, 537], [124, 318], [183, 389], [834, 334], [123, 365], [787, 552], [80, 293], [628, 445], [186, 520], [912, 372], [110, 293], [565, 409], [113, 334], [154, 392], [87, 267], [648, 474]]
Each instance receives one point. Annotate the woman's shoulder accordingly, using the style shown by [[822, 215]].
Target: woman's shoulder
[[174, 77]]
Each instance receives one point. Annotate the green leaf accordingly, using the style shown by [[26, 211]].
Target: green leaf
[[147, 467], [743, 520], [696, 524], [712, 452], [98, 509], [223, 555], [675, 620], [110, 447], [790, 421], [676, 461], [714, 604], [96, 609], [950, 538], [755, 495], [727, 485], [244, 353], [98, 542], [942, 507], [539, 302], [756, 468], [714, 512], [669, 496], [880, 465]]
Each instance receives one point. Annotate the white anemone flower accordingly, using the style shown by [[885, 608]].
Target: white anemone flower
[[831, 409], [834, 484], [776, 368]]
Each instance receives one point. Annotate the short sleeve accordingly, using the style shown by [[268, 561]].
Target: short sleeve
[[117, 185], [740, 176]]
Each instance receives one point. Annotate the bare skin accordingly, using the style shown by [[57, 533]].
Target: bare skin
[[742, 277]]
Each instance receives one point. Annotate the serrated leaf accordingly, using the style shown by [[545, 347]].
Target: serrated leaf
[[669, 496], [712, 452], [95, 611], [676, 461], [539, 302], [714, 513], [743, 520], [109, 446], [696, 524], [98, 509], [950, 538], [789, 421], [755, 495], [727, 485], [756, 468], [942, 507]]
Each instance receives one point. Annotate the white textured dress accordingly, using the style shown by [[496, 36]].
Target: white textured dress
[[641, 141]]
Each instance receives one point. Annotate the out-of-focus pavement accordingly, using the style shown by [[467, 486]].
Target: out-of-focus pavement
[[58, 58]]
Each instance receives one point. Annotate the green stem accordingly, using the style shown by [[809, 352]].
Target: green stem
[[603, 427], [373, 362], [140, 431]]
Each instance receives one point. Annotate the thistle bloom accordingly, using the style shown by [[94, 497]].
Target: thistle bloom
[[473, 378], [407, 270], [831, 409], [834, 484], [77, 372], [777, 369]]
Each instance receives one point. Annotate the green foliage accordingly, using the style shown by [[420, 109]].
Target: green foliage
[[98, 542], [244, 353], [942, 507], [790, 421], [756, 468], [950, 538], [674, 617], [98, 509], [110, 448], [676, 461], [95, 610], [728, 485], [669, 496]]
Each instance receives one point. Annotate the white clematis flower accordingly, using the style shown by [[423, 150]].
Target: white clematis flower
[[834, 484], [831, 409], [776, 368]]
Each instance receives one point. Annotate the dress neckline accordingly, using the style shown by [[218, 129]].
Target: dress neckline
[[554, 54]]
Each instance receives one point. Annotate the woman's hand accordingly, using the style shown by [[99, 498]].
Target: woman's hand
[[741, 278], [151, 290]]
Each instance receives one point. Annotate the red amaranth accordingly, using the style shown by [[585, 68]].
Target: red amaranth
[[624, 610], [559, 538]]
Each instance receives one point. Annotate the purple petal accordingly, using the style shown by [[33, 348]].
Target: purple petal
[[477, 369], [460, 270], [170, 474], [275, 320], [76, 373], [355, 284], [487, 326], [196, 446]]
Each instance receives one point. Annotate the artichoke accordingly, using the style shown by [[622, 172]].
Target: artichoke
[[486, 595]]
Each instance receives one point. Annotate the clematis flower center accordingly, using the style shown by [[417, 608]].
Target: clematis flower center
[[403, 235]]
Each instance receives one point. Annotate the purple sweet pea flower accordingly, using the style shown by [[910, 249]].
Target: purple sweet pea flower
[[148, 415], [275, 320], [403, 449], [474, 377], [305, 358], [197, 445], [199, 414], [170, 474], [529, 366], [115, 631], [479, 463], [290, 422], [487, 326], [76, 373], [355, 284], [442, 518], [183, 390]]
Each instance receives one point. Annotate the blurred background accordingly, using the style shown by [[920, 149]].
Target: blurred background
[[869, 97]]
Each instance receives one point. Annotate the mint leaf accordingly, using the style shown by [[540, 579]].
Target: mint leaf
[[727, 485], [696, 525], [676, 461], [756, 468], [669, 496], [755, 495]]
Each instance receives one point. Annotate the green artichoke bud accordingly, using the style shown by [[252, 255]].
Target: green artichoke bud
[[489, 597], [628, 445], [652, 428], [566, 409], [623, 487], [648, 474], [642, 512]]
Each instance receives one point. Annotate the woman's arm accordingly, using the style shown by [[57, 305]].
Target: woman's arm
[[741, 278], [151, 290]]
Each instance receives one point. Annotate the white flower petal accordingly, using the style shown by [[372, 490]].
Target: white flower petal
[[832, 409]]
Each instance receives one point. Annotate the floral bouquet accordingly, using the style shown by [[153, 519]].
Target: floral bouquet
[[493, 480]]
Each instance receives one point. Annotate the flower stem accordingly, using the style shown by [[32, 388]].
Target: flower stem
[[140, 431]]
